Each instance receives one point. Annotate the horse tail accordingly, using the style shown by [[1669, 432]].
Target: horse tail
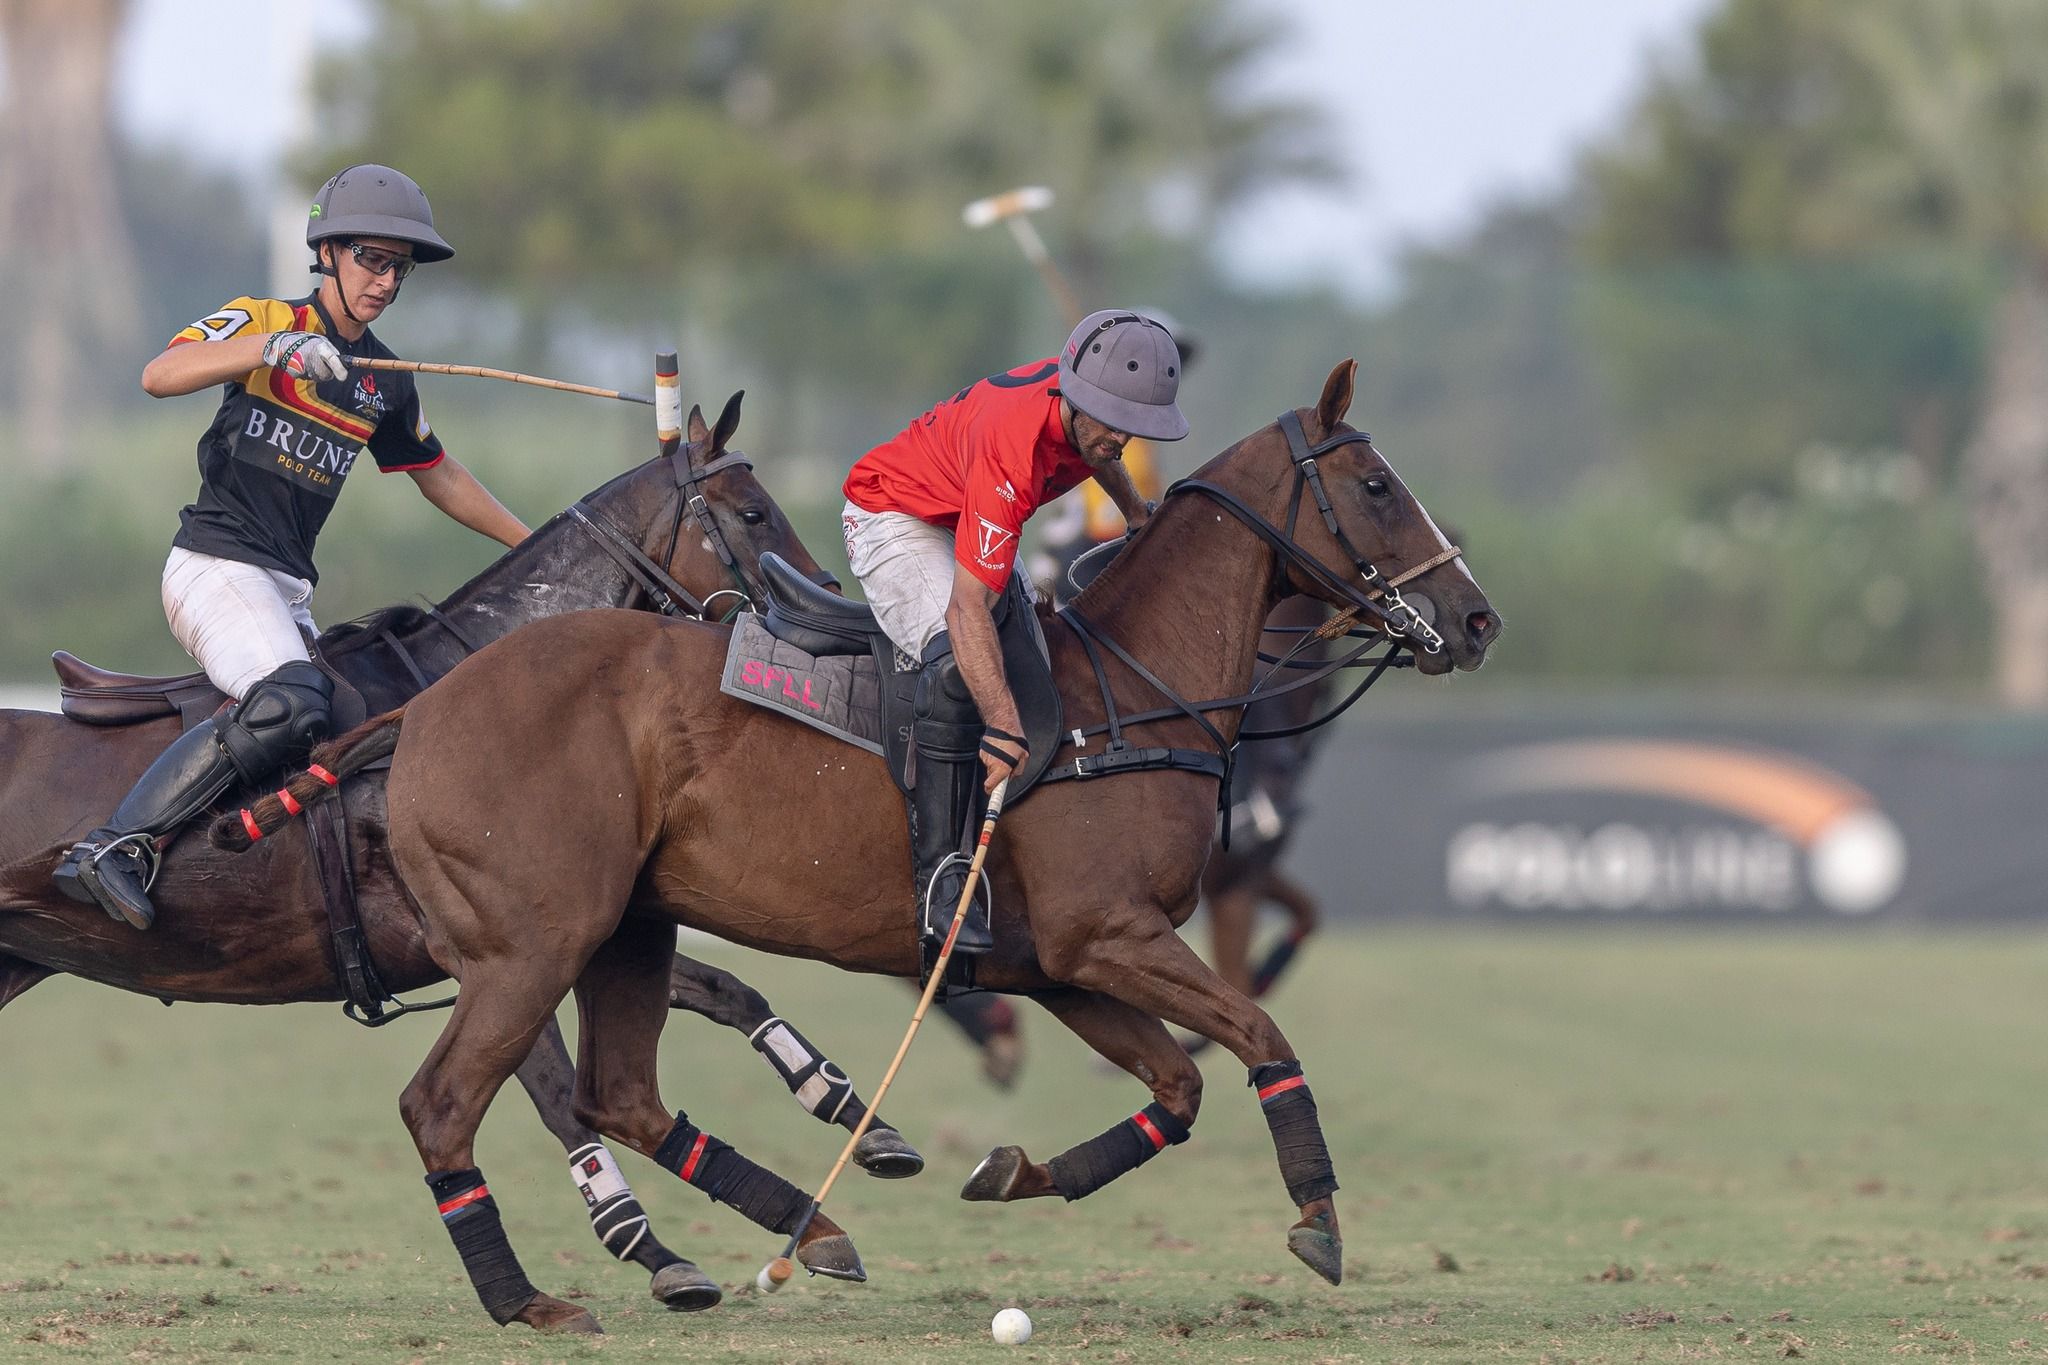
[[375, 738]]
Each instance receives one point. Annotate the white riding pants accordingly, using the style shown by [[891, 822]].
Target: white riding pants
[[241, 622], [905, 567]]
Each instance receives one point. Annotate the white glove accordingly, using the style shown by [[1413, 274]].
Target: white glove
[[304, 355]]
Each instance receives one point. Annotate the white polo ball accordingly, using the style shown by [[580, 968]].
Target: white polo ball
[[1011, 1327]]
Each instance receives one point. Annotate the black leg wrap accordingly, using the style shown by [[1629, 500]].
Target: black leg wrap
[[1297, 1133], [820, 1087], [479, 1236], [729, 1178], [1085, 1169]]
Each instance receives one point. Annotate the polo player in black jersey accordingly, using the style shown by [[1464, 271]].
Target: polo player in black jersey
[[293, 419]]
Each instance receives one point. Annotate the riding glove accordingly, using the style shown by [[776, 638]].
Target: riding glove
[[304, 355]]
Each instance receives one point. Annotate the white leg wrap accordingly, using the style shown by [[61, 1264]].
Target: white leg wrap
[[820, 1087], [615, 1215]]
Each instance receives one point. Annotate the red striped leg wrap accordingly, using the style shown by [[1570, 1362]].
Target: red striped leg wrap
[[1087, 1168], [1297, 1132], [479, 1236], [729, 1178]]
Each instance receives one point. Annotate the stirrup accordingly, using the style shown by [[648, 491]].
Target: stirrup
[[985, 894], [142, 840]]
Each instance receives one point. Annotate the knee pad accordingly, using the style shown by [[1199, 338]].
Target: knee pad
[[948, 721], [278, 721]]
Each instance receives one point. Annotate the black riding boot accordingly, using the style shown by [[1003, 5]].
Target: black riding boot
[[948, 737], [277, 722]]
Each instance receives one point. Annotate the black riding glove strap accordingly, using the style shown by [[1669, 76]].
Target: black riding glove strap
[[473, 1225], [729, 1178], [1085, 1169], [1297, 1133], [820, 1087]]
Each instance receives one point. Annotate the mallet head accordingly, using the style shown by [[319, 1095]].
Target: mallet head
[[1008, 204]]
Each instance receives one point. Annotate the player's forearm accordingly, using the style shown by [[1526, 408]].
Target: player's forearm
[[194, 365], [1115, 480], [980, 657], [451, 487]]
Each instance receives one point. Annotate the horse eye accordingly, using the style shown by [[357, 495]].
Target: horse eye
[[1376, 486], [753, 516]]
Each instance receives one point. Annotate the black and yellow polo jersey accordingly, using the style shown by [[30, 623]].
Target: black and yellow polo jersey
[[272, 463]]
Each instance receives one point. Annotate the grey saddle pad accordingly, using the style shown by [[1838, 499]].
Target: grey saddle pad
[[840, 694]]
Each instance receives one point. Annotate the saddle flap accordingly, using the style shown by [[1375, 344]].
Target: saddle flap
[[809, 617], [99, 696]]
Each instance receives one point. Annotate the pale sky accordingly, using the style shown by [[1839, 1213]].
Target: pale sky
[[1440, 107]]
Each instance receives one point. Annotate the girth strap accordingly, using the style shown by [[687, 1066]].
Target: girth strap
[[1138, 760], [327, 836]]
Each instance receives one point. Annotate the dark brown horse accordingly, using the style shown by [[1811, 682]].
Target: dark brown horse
[[564, 799], [252, 931]]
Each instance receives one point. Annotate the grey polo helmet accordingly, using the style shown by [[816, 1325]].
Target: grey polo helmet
[[1123, 369], [376, 201]]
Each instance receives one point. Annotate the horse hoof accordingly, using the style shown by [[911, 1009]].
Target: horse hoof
[[1316, 1247], [883, 1152], [546, 1313], [996, 1176], [834, 1258], [1002, 1057], [683, 1288]]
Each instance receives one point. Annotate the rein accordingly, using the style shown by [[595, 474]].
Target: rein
[[669, 597], [1402, 627]]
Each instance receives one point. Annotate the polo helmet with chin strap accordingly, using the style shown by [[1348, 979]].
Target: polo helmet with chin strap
[[375, 201], [1123, 369]]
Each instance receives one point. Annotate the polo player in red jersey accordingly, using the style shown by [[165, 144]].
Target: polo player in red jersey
[[932, 520]]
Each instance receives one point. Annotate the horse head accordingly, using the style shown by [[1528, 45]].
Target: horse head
[[1350, 533], [707, 489]]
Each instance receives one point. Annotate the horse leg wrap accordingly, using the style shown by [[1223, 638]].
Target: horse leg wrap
[[473, 1224], [1087, 1168], [615, 1214], [729, 1178], [820, 1087], [1297, 1132]]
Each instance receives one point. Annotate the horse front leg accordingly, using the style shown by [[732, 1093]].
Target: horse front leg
[[821, 1089], [1138, 1043], [622, 999], [1135, 955], [615, 1214], [497, 1019]]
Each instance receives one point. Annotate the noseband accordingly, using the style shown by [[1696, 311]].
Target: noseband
[[1381, 595]]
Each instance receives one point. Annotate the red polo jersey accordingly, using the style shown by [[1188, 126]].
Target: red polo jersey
[[979, 464]]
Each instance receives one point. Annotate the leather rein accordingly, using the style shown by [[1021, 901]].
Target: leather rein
[[1399, 626]]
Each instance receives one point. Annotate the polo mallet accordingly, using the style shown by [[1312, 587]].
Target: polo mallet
[[1013, 208], [509, 376], [776, 1273]]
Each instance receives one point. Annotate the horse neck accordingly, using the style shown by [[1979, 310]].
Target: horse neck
[[1188, 599], [557, 569]]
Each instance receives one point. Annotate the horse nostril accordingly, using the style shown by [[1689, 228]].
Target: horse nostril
[[1481, 625]]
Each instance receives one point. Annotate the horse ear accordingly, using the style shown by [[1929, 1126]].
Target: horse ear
[[1336, 399], [728, 421], [697, 430]]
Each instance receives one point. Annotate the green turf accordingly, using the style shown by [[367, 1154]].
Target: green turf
[[1653, 1147]]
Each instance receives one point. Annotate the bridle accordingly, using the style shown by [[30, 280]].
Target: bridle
[[1381, 595], [1400, 626], [653, 579]]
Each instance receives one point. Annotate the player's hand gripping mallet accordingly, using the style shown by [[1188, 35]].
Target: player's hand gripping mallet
[[778, 1271]]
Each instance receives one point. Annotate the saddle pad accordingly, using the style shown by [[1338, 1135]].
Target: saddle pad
[[840, 694]]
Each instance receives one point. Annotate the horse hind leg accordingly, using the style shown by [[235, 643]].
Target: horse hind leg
[[616, 1217], [1302, 910], [622, 999], [821, 1089], [496, 1021], [1136, 1042]]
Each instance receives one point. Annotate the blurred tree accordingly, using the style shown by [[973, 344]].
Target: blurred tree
[[66, 266], [1839, 131], [801, 166]]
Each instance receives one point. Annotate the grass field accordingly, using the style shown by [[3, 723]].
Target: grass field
[[1645, 1147]]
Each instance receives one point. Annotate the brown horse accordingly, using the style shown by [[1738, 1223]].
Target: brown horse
[[252, 931], [564, 799]]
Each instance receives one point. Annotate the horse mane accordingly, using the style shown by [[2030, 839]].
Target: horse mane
[[399, 619]]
